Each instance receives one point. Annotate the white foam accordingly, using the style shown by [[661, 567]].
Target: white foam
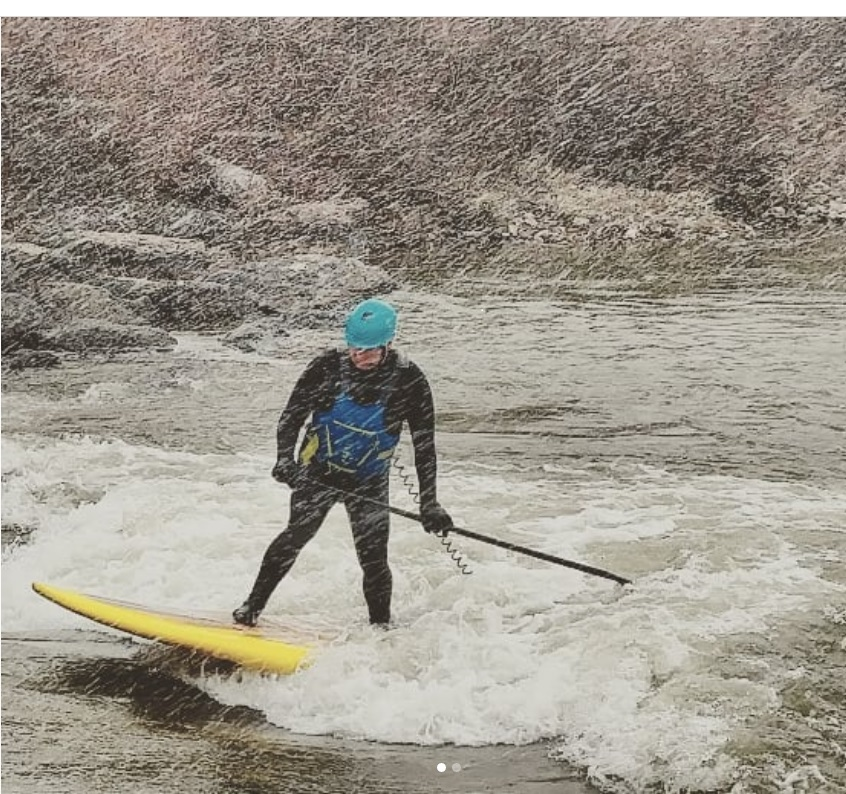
[[626, 685]]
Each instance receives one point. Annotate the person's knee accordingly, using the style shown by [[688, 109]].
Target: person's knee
[[290, 541]]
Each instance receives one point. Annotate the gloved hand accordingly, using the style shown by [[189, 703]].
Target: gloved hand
[[289, 472], [436, 520]]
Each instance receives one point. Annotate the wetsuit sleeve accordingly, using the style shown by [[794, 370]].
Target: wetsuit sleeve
[[420, 415], [311, 384]]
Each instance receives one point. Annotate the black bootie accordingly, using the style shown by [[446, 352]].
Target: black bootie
[[246, 614]]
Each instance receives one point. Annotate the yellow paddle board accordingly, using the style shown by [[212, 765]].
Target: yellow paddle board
[[248, 647]]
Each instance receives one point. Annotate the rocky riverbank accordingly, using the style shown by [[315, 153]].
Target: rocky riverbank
[[249, 176], [109, 291]]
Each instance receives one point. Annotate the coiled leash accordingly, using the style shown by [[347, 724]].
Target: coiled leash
[[454, 553]]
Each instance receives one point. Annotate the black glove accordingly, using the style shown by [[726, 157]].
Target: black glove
[[436, 520], [289, 472]]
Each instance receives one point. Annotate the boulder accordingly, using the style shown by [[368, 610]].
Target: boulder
[[94, 336], [304, 284], [351, 280], [91, 256], [23, 322], [186, 305], [257, 336], [30, 359], [198, 224], [330, 221], [325, 220], [66, 302], [26, 264], [77, 317], [236, 182]]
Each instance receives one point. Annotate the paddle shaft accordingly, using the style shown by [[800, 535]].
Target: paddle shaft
[[538, 555]]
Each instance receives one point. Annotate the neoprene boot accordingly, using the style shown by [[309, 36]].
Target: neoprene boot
[[246, 614]]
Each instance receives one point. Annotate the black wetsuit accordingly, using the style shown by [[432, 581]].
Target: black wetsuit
[[408, 400]]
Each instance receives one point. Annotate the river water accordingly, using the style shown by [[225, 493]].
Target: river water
[[693, 443]]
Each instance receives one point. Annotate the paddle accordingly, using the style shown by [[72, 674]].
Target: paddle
[[539, 555]]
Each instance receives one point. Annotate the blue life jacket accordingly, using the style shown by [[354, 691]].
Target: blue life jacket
[[351, 437]]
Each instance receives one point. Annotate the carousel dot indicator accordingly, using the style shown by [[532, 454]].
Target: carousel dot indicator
[[441, 767], [456, 767]]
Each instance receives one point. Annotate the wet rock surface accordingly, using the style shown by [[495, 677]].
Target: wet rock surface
[[104, 292]]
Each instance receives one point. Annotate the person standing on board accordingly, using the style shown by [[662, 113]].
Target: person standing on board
[[353, 403]]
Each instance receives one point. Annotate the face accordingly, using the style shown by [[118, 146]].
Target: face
[[367, 359]]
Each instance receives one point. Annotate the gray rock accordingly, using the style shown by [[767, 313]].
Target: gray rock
[[23, 322], [26, 264], [257, 336], [306, 284], [41, 318], [276, 280], [351, 280], [197, 224], [93, 336], [100, 292], [30, 359], [235, 181], [186, 305], [304, 315], [66, 302], [91, 256], [321, 222]]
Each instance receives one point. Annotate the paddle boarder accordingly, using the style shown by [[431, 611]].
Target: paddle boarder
[[353, 403]]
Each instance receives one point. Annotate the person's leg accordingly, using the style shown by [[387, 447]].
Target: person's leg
[[371, 527], [309, 507]]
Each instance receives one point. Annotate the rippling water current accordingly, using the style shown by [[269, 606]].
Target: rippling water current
[[693, 444]]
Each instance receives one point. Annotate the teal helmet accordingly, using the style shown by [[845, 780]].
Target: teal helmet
[[373, 323]]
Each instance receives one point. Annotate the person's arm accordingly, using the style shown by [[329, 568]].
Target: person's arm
[[420, 415], [300, 404]]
